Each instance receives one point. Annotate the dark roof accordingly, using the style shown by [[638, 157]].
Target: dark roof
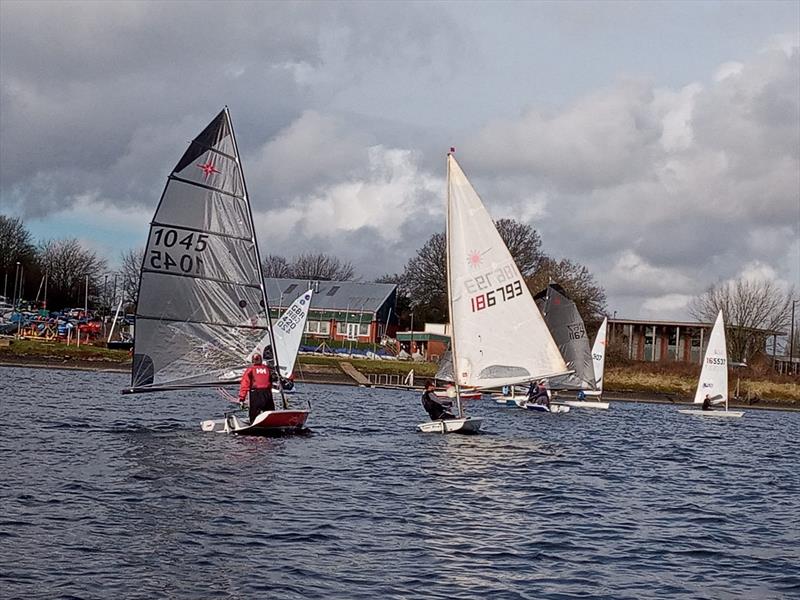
[[351, 296]]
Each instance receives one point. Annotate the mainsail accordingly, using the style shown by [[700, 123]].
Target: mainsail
[[202, 306], [714, 374], [567, 328], [498, 335], [599, 355]]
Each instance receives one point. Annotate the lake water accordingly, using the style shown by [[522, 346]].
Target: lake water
[[109, 496]]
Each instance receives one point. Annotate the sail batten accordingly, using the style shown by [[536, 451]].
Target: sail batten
[[201, 306], [499, 336], [240, 284], [208, 187]]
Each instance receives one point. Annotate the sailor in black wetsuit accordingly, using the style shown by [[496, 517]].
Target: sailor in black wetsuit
[[436, 409], [537, 394], [707, 403]]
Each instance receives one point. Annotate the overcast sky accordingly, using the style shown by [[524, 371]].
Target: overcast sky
[[656, 143]]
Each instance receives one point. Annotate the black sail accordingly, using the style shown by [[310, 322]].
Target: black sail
[[567, 328]]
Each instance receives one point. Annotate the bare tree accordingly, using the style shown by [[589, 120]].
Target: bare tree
[[424, 280], [15, 243], [578, 282], [320, 266], [274, 265], [67, 264], [749, 308], [524, 243], [130, 271], [16, 246]]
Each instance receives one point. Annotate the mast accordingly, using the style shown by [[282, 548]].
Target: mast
[[450, 296], [258, 259]]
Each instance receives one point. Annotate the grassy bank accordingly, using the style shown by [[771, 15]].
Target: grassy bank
[[59, 352], [675, 379]]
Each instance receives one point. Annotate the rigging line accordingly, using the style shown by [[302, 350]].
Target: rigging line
[[205, 186]]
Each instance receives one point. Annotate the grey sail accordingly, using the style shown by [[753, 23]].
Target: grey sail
[[201, 307], [445, 371], [567, 328]]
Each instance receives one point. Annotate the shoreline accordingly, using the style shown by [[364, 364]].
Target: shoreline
[[327, 376]]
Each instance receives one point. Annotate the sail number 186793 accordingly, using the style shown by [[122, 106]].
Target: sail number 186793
[[178, 251], [501, 294]]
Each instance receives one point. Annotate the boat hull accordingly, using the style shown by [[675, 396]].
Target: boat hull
[[506, 400], [587, 404], [554, 408], [465, 425], [271, 422], [712, 413]]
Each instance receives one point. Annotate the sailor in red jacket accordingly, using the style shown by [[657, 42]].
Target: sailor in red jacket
[[257, 380]]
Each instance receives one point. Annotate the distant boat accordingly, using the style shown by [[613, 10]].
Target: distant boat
[[569, 332], [598, 365], [202, 305], [714, 376], [497, 333]]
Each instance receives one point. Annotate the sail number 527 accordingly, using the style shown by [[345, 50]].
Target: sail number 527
[[501, 294], [182, 254]]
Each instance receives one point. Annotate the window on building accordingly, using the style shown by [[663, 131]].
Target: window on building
[[333, 290], [290, 289], [318, 327], [363, 329]]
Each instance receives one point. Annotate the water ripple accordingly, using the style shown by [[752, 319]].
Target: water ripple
[[124, 496]]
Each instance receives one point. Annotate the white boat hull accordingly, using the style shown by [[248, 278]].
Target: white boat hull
[[712, 413], [554, 408], [506, 400], [271, 422], [465, 425], [587, 404]]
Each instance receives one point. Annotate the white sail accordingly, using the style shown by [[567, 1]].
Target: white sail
[[499, 336], [201, 305], [288, 334], [714, 374], [599, 355]]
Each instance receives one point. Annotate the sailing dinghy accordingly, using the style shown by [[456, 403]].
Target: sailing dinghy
[[202, 305], [714, 376], [569, 332], [497, 334]]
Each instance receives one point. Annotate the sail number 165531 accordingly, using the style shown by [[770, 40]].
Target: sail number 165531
[[501, 294], [179, 251]]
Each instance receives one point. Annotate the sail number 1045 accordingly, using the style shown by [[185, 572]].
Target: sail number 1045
[[179, 251], [501, 294]]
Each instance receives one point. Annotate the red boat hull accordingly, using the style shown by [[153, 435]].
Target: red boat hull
[[276, 422]]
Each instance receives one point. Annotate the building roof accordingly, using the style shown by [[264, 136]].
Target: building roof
[[421, 336], [350, 296]]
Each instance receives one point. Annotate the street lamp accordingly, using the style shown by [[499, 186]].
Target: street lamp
[[16, 276], [791, 341]]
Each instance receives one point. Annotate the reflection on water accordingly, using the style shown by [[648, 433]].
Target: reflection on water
[[110, 495]]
